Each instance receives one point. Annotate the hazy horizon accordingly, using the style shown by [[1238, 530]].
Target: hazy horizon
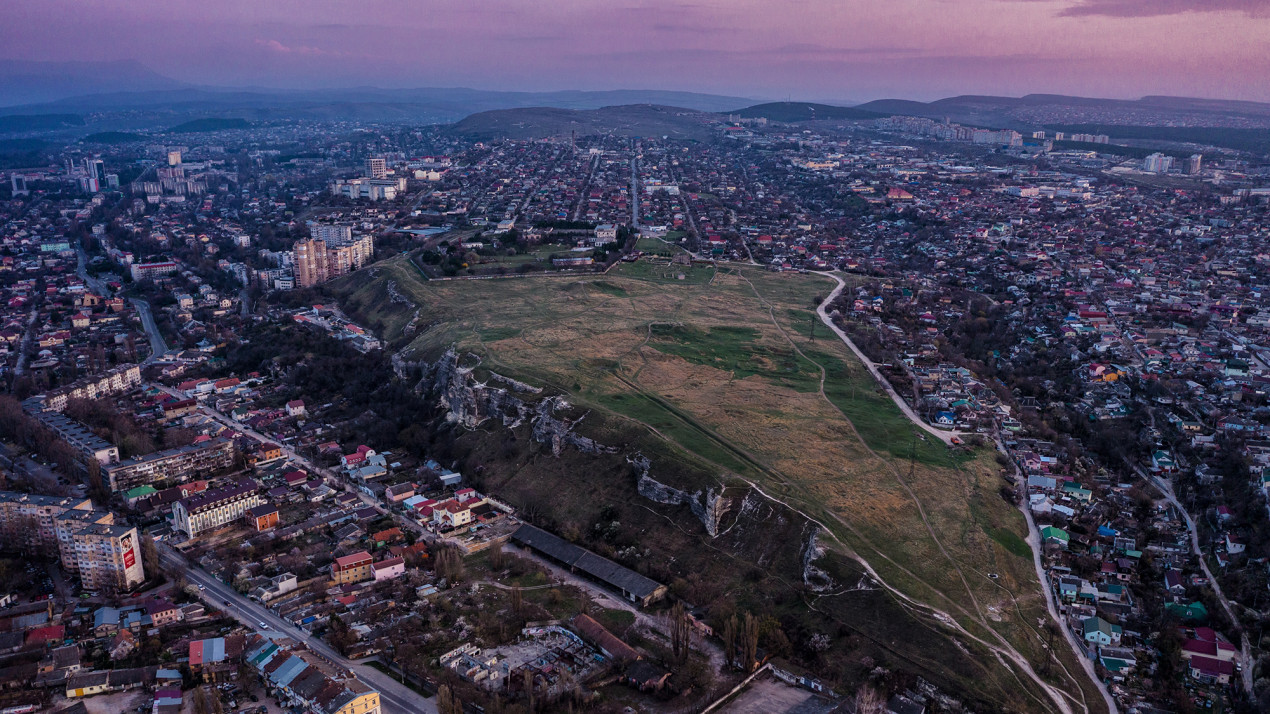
[[808, 50]]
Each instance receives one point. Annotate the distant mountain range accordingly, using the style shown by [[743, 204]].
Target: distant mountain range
[[1047, 109], [152, 100], [24, 82], [56, 99], [624, 120]]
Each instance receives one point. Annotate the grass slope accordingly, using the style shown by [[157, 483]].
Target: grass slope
[[722, 366]]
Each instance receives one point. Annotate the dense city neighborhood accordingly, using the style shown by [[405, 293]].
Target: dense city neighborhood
[[220, 493]]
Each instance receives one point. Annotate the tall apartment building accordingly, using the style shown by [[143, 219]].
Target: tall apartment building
[[310, 262], [103, 554], [1194, 163], [179, 464], [376, 168], [29, 520], [214, 509], [1157, 163], [114, 381], [89, 543], [317, 260]]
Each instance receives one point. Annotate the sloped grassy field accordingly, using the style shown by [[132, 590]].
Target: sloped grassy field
[[726, 365]]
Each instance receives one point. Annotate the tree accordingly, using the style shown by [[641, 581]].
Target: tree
[[449, 564], [729, 641], [340, 635], [680, 631], [749, 643], [150, 556], [447, 703], [869, 701], [518, 602]]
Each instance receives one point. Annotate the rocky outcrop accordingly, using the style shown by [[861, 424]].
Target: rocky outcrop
[[814, 578], [469, 403], [559, 433], [709, 506]]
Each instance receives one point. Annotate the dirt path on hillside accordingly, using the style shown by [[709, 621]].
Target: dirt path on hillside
[[1005, 649]]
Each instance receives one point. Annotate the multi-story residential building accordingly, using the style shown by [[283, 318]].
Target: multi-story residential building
[[353, 568], [179, 464], [301, 679], [376, 168], [330, 232], [371, 188], [318, 260], [115, 381], [87, 444], [310, 262], [147, 271], [28, 521], [215, 509], [104, 555]]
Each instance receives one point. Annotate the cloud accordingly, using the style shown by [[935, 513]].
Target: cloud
[[1157, 8], [278, 47]]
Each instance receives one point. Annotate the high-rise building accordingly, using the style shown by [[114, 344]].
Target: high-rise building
[[1157, 163], [1194, 163], [174, 158], [88, 541], [310, 262], [318, 260], [376, 168], [18, 181], [95, 168]]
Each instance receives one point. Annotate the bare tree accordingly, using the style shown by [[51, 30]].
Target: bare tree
[[729, 641], [869, 701], [680, 631], [749, 643]]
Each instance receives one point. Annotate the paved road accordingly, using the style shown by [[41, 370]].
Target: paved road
[[28, 337], [944, 436], [396, 697], [635, 194], [1034, 541], [326, 474], [157, 346], [81, 270], [1166, 487]]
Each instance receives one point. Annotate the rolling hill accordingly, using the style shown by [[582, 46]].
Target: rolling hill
[[14, 123], [711, 376], [790, 112], [626, 120]]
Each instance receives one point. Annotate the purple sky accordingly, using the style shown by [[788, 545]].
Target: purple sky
[[843, 50]]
